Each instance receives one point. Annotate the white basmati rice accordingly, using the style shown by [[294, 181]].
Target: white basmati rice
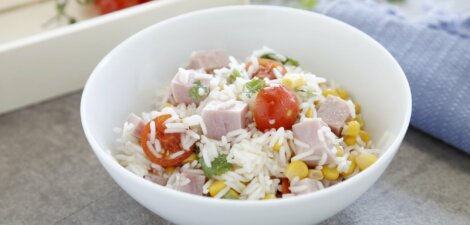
[[176, 154], [302, 155], [257, 166], [152, 132]]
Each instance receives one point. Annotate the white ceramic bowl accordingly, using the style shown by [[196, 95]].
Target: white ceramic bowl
[[127, 78]]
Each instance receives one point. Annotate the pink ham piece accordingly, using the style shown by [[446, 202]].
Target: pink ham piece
[[208, 60], [138, 124], [195, 185], [223, 117], [307, 132], [158, 179], [335, 112], [183, 81], [156, 175], [311, 184]]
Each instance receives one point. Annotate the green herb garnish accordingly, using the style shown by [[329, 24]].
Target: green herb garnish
[[309, 93], [270, 56], [219, 166], [194, 91], [233, 76], [291, 61], [254, 86], [287, 61]]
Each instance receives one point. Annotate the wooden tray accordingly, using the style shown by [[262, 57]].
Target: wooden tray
[[59, 61]]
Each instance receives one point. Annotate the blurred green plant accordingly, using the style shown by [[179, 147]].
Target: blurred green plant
[[308, 4], [61, 13]]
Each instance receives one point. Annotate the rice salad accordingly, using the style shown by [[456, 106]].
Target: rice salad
[[257, 129]]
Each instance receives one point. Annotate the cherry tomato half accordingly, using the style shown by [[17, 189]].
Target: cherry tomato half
[[275, 107], [266, 67], [285, 185], [170, 143]]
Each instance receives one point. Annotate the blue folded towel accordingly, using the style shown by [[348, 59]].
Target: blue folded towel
[[436, 63]]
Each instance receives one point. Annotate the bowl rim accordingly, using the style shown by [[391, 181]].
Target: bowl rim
[[106, 158]]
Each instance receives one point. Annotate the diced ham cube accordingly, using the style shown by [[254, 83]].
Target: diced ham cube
[[183, 81], [158, 179], [208, 60], [307, 132], [223, 117], [156, 175], [138, 124], [335, 112], [310, 184], [195, 185]]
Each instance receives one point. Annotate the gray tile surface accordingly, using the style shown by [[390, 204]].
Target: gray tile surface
[[49, 175]]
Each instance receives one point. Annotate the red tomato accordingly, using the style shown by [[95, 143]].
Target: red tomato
[[275, 107], [266, 67], [107, 6], [285, 185], [170, 143]]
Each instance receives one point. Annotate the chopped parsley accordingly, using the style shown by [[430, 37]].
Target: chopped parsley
[[195, 91], [291, 61], [254, 86], [287, 61], [271, 56], [233, 76], [219, 166], [309, 93]]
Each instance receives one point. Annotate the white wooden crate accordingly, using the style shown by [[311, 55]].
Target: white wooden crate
[[59, 61]]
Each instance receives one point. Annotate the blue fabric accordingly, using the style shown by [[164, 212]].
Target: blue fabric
[[436, 63]]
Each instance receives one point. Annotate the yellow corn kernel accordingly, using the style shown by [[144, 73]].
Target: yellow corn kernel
[[191, 158], [349, 140], [352, 155], [309, 113], [299, 82], [339, 150], [269, 196], [330, 173], [315, 174], [287, 83], [351, 169], [277, 146], [231, 194], [364, 160], [352, 129], [342, 93], [292, 81], [357, 107], [330, 92], [167, 104], [364, 136], [296, 169], [170, 170], [359, 120], [216, 187]]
